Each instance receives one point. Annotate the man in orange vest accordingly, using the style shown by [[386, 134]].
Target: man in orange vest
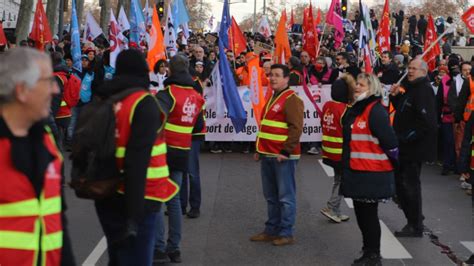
[[30, 163], [278, 148], [183, 105]]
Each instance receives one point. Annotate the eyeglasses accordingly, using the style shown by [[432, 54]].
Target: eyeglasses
[[50, 79]]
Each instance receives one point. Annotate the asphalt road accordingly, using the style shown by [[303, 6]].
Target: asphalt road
[[233, 209]]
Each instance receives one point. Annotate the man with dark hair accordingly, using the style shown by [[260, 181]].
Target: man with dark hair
[[422, 25], [278, 148], [344, 66], [182, 105], [387, 72]]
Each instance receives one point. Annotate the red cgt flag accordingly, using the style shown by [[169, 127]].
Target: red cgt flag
[[238, 42], [3, 39], [468, 18], [383, 36], [40, 31], [431, 37], [310, 36], [318, 17]]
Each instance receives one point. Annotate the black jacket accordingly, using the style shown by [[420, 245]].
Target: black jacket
[[178, 158], [422, 25], [360, 184], [390, 73], [415, 120]]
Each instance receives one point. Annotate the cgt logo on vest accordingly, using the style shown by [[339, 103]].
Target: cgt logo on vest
[[51, 172], [189, 109], [276, 108], [361, 124]]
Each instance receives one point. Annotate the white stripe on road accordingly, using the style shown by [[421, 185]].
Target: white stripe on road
[[469, 245], [96, 253], [390, 247], [349, 203], [328, 169]]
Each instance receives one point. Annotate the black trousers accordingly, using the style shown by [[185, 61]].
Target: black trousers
[[369, 225], [408, 189]]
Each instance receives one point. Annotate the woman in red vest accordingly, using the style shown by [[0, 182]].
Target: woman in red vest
[[369, 149]]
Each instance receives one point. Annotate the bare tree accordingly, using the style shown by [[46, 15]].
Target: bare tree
[[79, 10], [125, 4], [104, 15], [51, 13], [23, 21], [199, 12]]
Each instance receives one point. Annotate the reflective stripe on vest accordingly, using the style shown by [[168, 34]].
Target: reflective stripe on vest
[[266, 122], [470, 102], [332, 130], [365, 151], [178, 129], [63, 103], [30, 207], [270, 136], [332, 139]]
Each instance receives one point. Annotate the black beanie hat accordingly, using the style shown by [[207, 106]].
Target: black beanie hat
[[340, 91], [131, 62]]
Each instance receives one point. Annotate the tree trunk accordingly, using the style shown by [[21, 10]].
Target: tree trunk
[[23, 21], [105, 16], [51, 14], [79, 9]]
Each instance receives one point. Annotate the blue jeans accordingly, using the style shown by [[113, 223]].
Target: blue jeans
[[135, 251], [175, 220], [449, 152], [72, 123], [279, 189], [194, 179]]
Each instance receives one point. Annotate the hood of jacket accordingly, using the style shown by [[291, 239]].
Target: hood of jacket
[[180, 78], [123, 82]]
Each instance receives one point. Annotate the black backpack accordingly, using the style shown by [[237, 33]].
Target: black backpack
[[94, 173]]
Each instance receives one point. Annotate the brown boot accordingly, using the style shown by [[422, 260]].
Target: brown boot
[[283, 240], [263, 237]]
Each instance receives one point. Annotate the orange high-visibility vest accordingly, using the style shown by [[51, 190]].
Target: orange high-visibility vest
[[332, 130], [365, 151], [158, 186], [470, 102], [30, 226], [273, 128]]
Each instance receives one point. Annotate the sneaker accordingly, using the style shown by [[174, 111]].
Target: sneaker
[[368, 259], [462, 179], [160, 257], [313, 151], [175, 256], [465, 185], [227, 150], [263, 237], [216, 150], [344, 218], [331, 215], [194, 213], [283, 240]]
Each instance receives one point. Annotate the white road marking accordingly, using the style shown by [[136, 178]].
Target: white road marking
[[96, 253], [349, 203], [390, 247], [328, 169], [469, 245]]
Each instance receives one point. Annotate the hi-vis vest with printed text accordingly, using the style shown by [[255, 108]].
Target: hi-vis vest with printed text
[[332, 130], [182, 117], [273, 127], [30, 226], [366, 153], [159, 186]]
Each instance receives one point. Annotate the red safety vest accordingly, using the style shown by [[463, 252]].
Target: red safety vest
[[470, 102], [273, 128], [183, 115], [64, 109], [204, 129], [472, 149], [158, 185], [332, 130], [30, 226], [366, 153]]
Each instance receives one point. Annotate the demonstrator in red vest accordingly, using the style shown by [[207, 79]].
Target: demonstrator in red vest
[[278, 148], [332, 141], [369, 148], [183, 106], [30, 163]]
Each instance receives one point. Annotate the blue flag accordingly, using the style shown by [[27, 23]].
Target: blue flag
[[235, 109], [137, 23], [180, 13], [75, 39], [226, 22]]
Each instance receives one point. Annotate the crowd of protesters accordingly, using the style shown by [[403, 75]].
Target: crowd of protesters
[[422, 120]]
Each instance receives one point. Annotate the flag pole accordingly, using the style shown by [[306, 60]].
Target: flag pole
[[233, 45], [431, 46], [322, 38]]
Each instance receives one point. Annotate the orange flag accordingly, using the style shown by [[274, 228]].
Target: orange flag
[[156, 49], [237, 39], [40, 31], [255, 87], [3, 39], [282, 45]]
